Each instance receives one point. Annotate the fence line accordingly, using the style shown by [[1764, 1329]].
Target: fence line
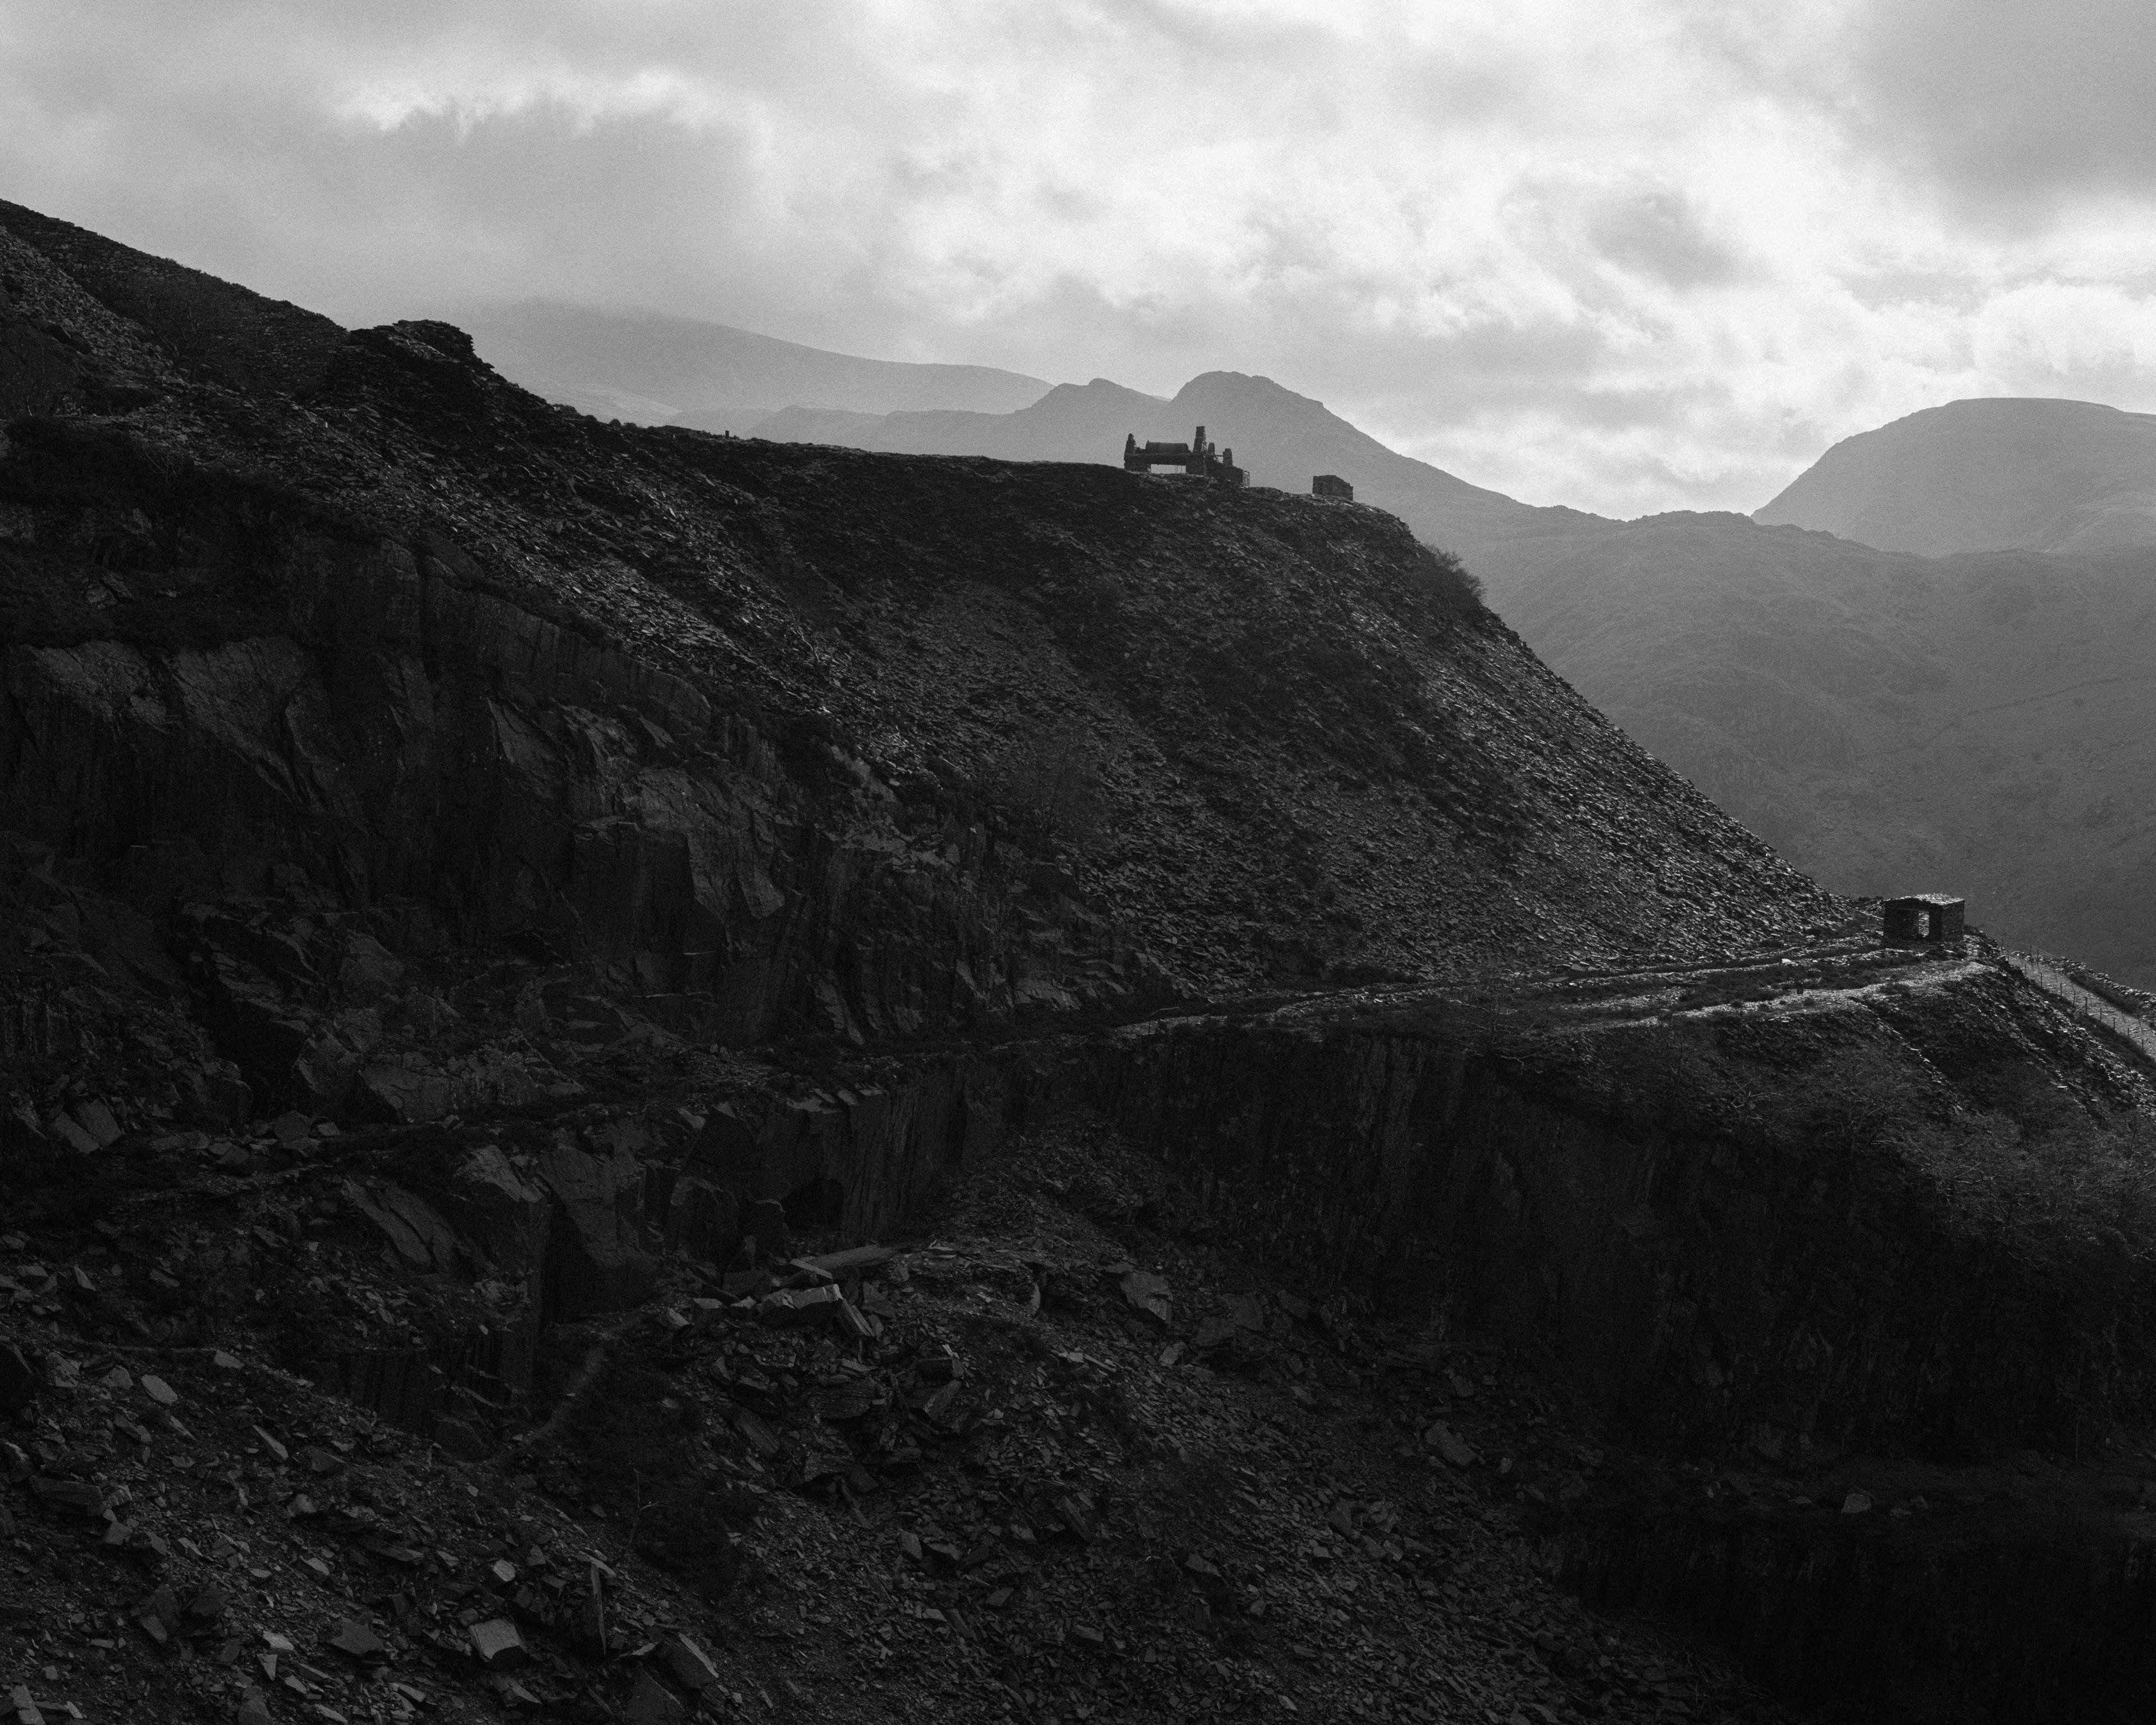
[[2053, 979]]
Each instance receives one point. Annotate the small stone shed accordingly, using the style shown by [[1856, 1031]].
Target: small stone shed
[[1930, 916], [1330, 484]]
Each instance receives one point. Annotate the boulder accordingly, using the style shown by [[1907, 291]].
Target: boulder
[[764, 1222], [402, 1096], [505, 1216], [414, 1228], [370, 970], [703, 1220], [18, 1379], [595, 1261], [323, 1076]]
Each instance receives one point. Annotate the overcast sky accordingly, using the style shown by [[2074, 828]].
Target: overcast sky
[[1628, 254]]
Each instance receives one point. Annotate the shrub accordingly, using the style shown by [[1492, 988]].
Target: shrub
[[1449, 580]]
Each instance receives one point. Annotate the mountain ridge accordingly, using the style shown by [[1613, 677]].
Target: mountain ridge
[[653, 367], [1985, 474], [1283, 438]]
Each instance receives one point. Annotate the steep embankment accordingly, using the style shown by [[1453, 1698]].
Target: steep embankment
[[1989, 475]]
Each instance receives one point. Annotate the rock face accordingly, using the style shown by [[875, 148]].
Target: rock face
[[1733, 1258]]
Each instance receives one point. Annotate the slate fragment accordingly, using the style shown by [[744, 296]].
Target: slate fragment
[[355, 1640], [498, 1646], [653, 1703], [1148, 1295], [18, 1379]]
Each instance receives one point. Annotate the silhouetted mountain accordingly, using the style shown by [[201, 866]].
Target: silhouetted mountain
[[1281, 438], [650, 369], [2002, 474]]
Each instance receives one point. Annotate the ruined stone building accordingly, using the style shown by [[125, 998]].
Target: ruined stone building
[[1198, 458], [1924, 917]]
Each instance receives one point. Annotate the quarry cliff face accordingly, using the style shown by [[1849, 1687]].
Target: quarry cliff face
[[810, 742]]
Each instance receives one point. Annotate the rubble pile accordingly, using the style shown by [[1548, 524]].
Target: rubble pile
[[1025, 1467]]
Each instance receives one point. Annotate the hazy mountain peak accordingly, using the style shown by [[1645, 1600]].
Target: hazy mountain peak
[[1989, 474], [652, 366]]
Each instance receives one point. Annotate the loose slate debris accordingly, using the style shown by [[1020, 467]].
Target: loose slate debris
[[1012, 1465]]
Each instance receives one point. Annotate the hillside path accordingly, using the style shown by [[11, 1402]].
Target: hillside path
[[2056, 981]]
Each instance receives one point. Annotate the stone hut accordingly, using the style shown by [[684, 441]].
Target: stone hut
[[1330, 484], [1932, 917]]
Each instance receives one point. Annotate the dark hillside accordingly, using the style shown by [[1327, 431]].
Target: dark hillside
[[1303, 743], [643, 1073], [215, 329]]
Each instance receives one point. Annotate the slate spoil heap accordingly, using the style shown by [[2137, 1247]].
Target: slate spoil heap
[[1005, 1473], [500, 914]]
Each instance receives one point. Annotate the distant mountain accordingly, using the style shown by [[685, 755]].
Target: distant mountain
[[1283, 439], [650, 369], [1983, 724], [2003, 474]]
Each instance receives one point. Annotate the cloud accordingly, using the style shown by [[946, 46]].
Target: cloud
[[1631, 254], [2016, 109]]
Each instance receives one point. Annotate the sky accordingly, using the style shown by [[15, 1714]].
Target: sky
[[1630, 255]]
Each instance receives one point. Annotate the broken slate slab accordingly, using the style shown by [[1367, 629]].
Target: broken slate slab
[[764, 1222], [691, 1667], [1149, 1294], [292, 1128], [596, 1261], [18, 1379], [80, 1495], [1448, 1443], [497, 1645], [838, 1264], [355, 1640], [653, 1703]]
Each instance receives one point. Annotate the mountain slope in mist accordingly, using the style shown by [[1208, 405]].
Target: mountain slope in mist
[[1983, 723], [1992, 475], [650, 369]]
